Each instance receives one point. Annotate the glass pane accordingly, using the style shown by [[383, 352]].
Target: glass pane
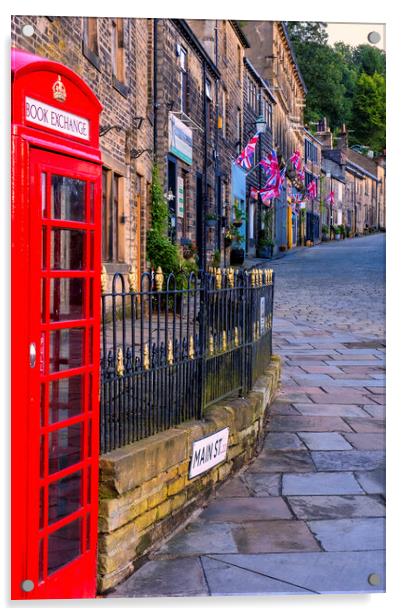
[[66, 349], [64, 545], [89, 484], [64, 497], [65, 398], [43, 192], [65, 447], [41, 575], [42, 457], [41, 507], [91, 201], [67, 249], [88, 541], [43, 300], [67, 198], [66, 299], [42, 404], [44, 246]]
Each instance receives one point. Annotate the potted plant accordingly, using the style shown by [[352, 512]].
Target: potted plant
[[341, 229], [265, 247], [189, 251], [347, 231], [228, 237], [337, 233], [237, 250], [238, 215], [325, 232], [211, 220]]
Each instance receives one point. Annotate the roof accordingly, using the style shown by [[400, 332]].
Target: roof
[[361, 161], [312, 136], [189, 35], [263, 83], [236, 27], [292, 53]]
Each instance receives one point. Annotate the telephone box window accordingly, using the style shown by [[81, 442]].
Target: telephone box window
[[64, 497], [64, 545], [67, 198], [66, 398], [65, 447], [67, 249]]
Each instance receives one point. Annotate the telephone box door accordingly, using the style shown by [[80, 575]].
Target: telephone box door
[[63, 311]]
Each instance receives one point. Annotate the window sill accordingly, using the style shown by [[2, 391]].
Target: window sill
[[112, 267], [120, 87], [91, 56]]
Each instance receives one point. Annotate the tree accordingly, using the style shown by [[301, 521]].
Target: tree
[[368, 120], [307, 32], [369, 59]]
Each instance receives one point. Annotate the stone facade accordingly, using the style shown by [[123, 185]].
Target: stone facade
[[145, 492], [66, 40], [272, 55], [258, 102]]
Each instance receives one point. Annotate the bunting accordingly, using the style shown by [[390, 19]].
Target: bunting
[[312, 189], [331, 198]]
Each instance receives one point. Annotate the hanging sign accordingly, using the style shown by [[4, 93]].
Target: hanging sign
[[48, 116], [180, 139], [180, 198], [208, 452]]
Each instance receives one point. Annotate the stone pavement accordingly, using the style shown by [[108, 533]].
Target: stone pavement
[[307, 516]]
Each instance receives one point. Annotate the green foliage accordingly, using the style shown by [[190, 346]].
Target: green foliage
[[336, 80], [161, 251], [369, 111]]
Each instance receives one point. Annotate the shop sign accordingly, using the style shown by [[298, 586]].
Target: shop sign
[[47, 116], [208, 452], [180, 198], [180, 139]]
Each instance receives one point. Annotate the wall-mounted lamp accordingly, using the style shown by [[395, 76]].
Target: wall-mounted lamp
[[169, 196], [137, 153], [136, 125]]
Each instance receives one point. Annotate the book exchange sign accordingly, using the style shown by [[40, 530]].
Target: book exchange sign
[[208, 452], [50, 117]]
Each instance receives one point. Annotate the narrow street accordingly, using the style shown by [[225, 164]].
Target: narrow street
[[306, 516]]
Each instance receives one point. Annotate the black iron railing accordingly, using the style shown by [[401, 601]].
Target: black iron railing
[[177, 345]]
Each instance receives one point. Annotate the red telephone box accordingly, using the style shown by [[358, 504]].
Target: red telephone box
[[56, 243]]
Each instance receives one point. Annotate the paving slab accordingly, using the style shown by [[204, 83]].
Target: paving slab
[[299, 397], [274, 536], [341, 397], [282, 408], [231, 579], [320, 483], [366, 425], [330, 507], [330, 370], [372, 482], [264, 484], [282, 462], [379, 399], [377, 411], [246, 509], [350, 535], [348, 460], [309, 424], [318, 572], [182, 577], [199, 538], [232, 487], [324, 441], [285, 441], [367, 440], [331, 410]]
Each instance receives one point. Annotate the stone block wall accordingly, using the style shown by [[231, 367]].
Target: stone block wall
[[144, 490]]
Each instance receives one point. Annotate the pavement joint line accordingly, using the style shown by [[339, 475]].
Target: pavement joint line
[[271, 577], [204, 575]]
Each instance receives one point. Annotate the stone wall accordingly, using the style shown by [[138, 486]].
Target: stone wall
[[144, 490]]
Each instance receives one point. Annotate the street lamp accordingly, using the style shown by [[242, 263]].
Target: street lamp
[[261, 124]]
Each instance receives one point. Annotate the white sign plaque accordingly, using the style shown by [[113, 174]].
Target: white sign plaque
[[180, 197], [262, 315], [46, 115], [208, 452]]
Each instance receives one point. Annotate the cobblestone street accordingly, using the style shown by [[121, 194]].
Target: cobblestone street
[[307, 515]]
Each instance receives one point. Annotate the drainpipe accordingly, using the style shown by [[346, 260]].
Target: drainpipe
[[155, 77], [205, 168]]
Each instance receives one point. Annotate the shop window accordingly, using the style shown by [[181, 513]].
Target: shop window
[[90, 44], [112, 216]]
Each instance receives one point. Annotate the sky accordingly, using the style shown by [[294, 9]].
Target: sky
[[354, 33]]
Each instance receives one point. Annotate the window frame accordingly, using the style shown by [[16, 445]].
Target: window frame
[[183, 67], [118, 55], [90, 50], [113, 217]]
